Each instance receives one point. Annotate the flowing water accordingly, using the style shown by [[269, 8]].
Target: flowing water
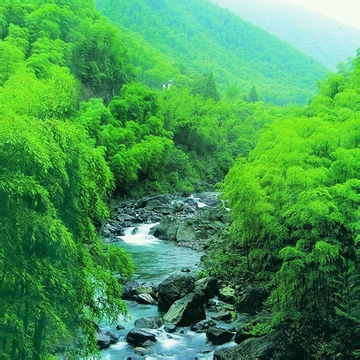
[[156, 260]]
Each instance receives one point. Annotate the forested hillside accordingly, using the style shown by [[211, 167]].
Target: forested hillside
[[84, 118], [326, 40], [55, 273], [204, 38], [295, 203]]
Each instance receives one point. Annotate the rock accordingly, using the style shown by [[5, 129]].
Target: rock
[[186, 270], [224, 315], [186, 311], [227, 294], [209, 198], [173, 288], [137, 337], [128, 289], [113, 337], [170, 328], [242, 334], [144, 290], [202, 325], [144, 299], [142, 351], [218, 336], [251, 302], [104, 340], [185, 231], [120, 327], [209, 286], [168, 227], [153, 322], [274, 345]]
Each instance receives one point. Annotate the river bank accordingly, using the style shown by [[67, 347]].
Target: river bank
[[167, 235]]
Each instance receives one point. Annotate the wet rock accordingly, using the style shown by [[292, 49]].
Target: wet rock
[[105, 339], [170, 328], [142, 351], [144, 290], [186, 232], [218, 336], [145, 299], [186, 270], [209, 286], [186, 311], [173, 288], [120, 327], [274, 345], [137, 337], [129, 289], [227, 294], [203, 325], [168, 227], [153, 322], [224, 315], [242, 334]]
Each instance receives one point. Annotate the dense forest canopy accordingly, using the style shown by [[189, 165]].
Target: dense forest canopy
[[295, 202], [79, 123], [202, 38]]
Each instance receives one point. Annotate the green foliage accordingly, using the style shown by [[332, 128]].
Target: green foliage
[[56, 275], [296, 218], [199, 37]]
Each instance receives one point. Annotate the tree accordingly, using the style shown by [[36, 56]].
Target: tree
[[253, 95]]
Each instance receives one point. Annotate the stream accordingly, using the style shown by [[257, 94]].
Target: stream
[[154, 261]]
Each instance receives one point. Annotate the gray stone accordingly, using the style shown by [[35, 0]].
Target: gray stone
[[209, 286], [153, 322], [145, 299], [227, 294], [274, 345], [141, 351], [137, 337], [218, 336], [186, 311], [173, 288]]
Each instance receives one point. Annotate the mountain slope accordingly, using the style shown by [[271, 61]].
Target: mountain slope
[[204, 38], [326, 40]]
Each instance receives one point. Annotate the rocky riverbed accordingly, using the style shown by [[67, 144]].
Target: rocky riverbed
[[192, 221], [185, 303]]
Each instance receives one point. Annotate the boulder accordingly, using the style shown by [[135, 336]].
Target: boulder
[[203, 325], [105, 339], [185, 232], [153, 322], [145, 299], [274, 345], [137, 337], [218, 336], [209, 286], [224, 315], [186, 311], [173, 288], [227, 294], [168, 227], [128, 289], [169, 328], [142, 351], [242, 334]]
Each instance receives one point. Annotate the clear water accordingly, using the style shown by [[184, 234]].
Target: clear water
[[156, 260]]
